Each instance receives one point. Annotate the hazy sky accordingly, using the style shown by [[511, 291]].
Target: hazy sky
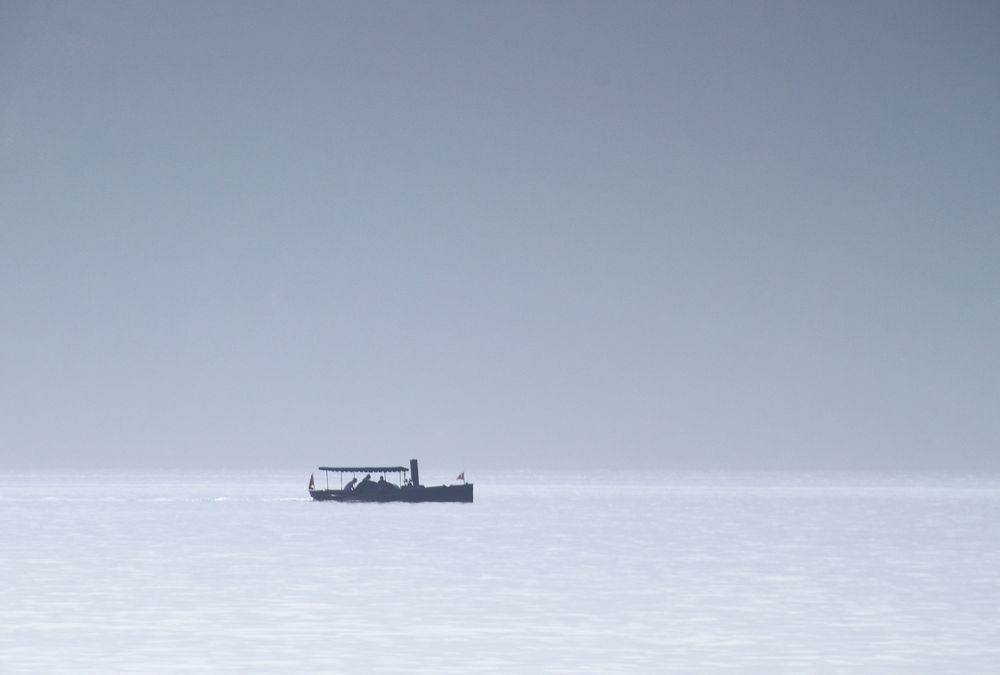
[[500, 234]]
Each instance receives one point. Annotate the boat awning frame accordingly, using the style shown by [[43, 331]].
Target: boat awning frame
[[365, 469]]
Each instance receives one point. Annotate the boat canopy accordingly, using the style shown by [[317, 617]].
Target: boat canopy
[[365, 469]]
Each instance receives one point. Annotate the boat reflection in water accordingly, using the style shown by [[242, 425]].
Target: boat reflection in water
[[382, 490]]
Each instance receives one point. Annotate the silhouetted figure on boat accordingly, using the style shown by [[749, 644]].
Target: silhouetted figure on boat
[[366, 486], [350, 485]]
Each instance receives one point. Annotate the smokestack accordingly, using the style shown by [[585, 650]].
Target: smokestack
[[414, 472]]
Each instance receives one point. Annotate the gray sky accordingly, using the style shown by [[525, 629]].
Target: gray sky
[[500, 234]]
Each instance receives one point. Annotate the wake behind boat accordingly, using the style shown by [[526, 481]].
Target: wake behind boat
[[382, 490]]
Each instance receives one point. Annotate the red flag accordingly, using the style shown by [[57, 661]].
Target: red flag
[[311, 483], [461, 476]]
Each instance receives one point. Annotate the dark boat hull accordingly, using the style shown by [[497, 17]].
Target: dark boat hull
[[407, 493]]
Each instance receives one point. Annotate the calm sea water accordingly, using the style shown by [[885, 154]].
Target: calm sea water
[[556, 573]]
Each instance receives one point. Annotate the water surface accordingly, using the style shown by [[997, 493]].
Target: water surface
[[554, 573]]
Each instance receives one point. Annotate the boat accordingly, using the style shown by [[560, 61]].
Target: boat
[[403, 490]]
